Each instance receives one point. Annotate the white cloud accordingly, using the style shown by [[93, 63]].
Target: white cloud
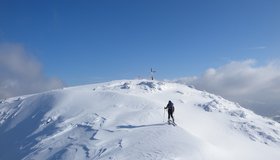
[[21, 73], [254, 87]]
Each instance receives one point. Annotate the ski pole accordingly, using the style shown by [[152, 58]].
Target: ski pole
[[163, 114]]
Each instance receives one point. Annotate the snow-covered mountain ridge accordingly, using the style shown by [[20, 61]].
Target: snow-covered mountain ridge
[[125, 120]]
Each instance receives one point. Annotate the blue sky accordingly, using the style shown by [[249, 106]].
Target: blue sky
[[90, 41]]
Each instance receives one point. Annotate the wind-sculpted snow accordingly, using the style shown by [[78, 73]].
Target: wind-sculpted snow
[[257, 128], [19, 119], [124, 120]]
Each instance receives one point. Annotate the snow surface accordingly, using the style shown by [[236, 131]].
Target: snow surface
[[125, 120]]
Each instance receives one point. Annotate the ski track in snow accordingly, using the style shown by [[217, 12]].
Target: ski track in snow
[[123, 120]]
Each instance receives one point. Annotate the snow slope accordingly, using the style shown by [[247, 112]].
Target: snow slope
[[124, 120]]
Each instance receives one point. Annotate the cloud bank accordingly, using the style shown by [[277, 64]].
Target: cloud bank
[[22, 74], [254, 87]]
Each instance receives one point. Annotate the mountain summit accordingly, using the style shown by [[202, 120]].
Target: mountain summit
[[125, 120]]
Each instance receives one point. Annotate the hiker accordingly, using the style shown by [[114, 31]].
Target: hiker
[[170, 110]]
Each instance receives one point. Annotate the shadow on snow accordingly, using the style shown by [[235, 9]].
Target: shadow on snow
[[139, 126]]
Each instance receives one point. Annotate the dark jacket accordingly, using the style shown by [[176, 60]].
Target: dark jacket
[[170, 107]]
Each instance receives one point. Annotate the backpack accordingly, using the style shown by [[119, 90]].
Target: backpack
[[171, 107]]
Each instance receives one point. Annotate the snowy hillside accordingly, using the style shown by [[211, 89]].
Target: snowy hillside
[[124, 120]]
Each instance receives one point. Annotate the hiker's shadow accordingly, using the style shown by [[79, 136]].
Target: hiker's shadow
[[139, 126]]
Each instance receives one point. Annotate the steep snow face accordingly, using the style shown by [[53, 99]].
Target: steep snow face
[[125, 120]]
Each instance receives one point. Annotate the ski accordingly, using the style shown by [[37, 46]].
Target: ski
[[171, 123]]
